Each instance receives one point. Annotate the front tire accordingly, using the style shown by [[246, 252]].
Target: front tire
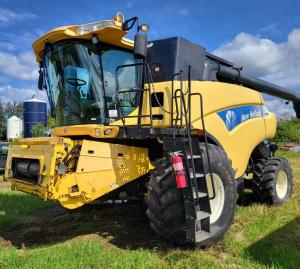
[[272, 180], [165, 203]]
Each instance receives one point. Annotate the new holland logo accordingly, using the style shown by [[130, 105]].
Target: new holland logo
[[236, 115], [230, 119]]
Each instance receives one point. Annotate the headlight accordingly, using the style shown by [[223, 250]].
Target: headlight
[[90, 27]]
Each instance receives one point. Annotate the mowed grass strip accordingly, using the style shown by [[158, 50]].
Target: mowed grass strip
[[15, 205], [78, 253], [261, 236]]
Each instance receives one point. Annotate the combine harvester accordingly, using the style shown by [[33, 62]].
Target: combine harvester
[[164, 121]]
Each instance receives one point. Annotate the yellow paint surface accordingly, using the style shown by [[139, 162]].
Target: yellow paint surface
[[102, 167]]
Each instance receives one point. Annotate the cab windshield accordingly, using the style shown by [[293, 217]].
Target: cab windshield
[[82, 84]]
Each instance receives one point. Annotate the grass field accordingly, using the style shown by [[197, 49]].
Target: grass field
[[35, 234]]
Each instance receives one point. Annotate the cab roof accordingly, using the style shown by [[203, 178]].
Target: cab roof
[[108, 31]]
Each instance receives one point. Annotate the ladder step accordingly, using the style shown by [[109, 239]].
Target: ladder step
[[200, 194], [198, 175], [201, 235], [189, 156], [202, 215]]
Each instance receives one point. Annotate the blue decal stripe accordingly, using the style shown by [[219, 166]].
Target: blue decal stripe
[[234, 116]]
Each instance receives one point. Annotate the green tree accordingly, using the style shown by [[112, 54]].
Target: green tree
[[288, 131], [51, 122], [42, 130], [39, 130], [14, 109]]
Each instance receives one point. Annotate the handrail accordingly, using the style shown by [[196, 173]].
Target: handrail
[[118, 92], [206, 142]]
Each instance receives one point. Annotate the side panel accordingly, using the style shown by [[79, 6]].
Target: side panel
[[101, 168], [239, 142], [234, 116], [271, 124]]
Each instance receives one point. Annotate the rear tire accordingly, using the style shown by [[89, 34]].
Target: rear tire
[[272, 180], [165, 204]]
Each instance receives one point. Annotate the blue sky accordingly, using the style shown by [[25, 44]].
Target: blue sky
[[261, 35]]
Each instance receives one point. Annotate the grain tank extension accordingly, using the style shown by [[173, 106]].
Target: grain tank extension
[[161, 121]]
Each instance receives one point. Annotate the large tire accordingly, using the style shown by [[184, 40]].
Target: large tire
[[165, 204], [272, 180]]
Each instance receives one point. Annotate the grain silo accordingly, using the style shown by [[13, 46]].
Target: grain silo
[[14, 128], [35, 112]]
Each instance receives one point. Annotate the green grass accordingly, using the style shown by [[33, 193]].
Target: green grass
[[261, 237], [15, 205], [77, 254], [287, 154]]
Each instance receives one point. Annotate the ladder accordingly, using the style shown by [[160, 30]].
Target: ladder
[[196, 199]]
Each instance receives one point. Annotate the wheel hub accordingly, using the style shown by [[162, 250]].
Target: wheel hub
[[216, 204], [281, 184]]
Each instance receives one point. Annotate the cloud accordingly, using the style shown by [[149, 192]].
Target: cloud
[[21, 66], [278, 26], [278, 63], [270, 27], [261, 57], [10, 94], [8, 46], [8, 16], [17, 41], [283, 110], [184, 11]]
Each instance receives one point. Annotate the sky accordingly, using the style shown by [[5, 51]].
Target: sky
[[262, 36]]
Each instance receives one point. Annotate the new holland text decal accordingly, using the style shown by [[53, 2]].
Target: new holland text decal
[[234, 116]]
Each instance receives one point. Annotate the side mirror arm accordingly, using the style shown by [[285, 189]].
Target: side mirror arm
[[41, 81]]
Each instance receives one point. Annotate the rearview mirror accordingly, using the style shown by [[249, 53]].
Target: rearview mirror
[[140, 46], [140, 40], [41, 82]]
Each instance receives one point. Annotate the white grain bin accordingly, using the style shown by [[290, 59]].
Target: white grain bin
[[14, 128]]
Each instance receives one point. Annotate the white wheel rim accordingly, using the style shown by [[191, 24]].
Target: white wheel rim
[[216, 204], [281, 184]]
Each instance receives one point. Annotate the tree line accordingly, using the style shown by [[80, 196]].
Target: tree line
[[288, 131]]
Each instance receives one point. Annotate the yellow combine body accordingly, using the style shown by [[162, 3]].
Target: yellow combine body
[[105, 161], [180, 104]]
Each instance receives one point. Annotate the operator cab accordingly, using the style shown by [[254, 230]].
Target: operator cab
[[91, 73], [82, 84]]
